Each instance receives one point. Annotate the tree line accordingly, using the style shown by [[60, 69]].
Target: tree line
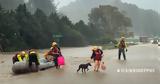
[[21, 29]]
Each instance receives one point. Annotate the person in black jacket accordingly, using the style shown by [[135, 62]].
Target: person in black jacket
[[33, 58], [97, 57], [94, 54]]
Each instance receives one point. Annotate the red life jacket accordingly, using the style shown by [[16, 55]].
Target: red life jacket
[[53, 51], [98, 55]]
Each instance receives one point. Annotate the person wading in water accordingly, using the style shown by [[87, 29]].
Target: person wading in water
[[122, 46]]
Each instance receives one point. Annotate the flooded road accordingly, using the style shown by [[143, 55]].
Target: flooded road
[[144, 57]]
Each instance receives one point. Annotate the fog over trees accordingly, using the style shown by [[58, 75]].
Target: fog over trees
[[45, 5], [11, 4], [145, 22]]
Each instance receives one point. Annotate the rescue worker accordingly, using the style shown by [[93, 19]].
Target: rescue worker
[[19, 57], [122, 46], [55, 52], [97, 57], [33, 58]]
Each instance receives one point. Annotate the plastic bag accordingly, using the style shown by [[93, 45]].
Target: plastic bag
[[103, 67]]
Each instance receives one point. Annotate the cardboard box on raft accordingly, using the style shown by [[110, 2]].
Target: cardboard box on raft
[[22, 67]]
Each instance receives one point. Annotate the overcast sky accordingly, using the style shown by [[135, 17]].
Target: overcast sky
[[62, 3], [145, 4]]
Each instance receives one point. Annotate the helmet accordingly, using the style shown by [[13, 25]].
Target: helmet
[[32, 52], [23, 52], [122, 38], [54, 43], [94, 48]]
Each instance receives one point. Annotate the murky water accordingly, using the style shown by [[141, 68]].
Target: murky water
[[145, 56]]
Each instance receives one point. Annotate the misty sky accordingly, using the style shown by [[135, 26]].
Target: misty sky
[[145, 4], [62, 3]]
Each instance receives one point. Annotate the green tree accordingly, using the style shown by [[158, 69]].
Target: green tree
[[29, 28], [88, 32], [109, 20], [9, 30], [71, 37], [20, 29]]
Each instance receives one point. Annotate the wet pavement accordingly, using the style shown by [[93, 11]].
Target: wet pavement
[[142, 67]]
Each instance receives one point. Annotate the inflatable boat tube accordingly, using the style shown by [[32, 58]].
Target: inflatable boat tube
[[22, 67], [44, 64]]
